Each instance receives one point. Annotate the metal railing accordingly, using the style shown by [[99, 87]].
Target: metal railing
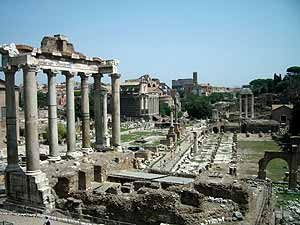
[[66, 217], [5, 223]]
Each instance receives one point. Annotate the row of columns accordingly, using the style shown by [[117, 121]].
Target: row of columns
[[31, 115], [246, 103]]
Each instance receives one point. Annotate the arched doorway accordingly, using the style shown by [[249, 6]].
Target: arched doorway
[[277, 169], [288, 157]]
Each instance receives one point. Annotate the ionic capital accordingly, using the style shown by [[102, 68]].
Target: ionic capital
[[115, 75], [31, 68], [10, 69], [83, 75], [97, 75], [68, 73], [103, 91], [51, 72]]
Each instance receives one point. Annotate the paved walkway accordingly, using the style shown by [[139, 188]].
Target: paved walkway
[[22, 220], [170, 159]]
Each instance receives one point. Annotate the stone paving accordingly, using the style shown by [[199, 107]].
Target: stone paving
[[21, 220]]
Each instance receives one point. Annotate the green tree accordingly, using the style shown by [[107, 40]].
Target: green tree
[[42, 99], [294, 70], [62, 132], [198, 106], [164, 109]]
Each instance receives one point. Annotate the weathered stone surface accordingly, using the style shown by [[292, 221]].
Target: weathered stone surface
[[188, 196]]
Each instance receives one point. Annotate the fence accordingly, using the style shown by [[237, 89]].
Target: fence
[[66, 217], [5, 223]]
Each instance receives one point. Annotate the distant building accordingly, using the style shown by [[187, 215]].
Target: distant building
[[187, 85], [141, 97], [282, 113], [3, 112]]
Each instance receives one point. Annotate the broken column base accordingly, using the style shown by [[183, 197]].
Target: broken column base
[[87, 150], [177, 130], [74, 155], [117, 148], [54, 158], [33, 190]]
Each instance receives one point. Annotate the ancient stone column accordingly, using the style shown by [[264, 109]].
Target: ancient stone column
[[104, 133], [97, 110], [252, 106], [31, 120], [85, 113], [241, 106], [71, 131], [116, 139], [141, 105], [246, 106], [52, 117], [171, 118], [195, 146], [11, 120]]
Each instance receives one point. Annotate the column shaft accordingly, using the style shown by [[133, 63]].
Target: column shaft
[[71, 131], [31, 120], [11, 120], [85, 112], [52, 116], [97, 110], [252, 106], [103, 107], [116, 139], [246, 106], [241, 106]]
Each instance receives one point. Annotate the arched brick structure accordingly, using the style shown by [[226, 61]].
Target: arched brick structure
[[292, 158]]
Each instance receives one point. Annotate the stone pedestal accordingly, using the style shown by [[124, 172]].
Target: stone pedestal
[[195, 146], [30, 190], [172, 135], [177, 130]]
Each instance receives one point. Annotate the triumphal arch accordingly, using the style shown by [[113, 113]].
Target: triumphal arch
[[56, 55]]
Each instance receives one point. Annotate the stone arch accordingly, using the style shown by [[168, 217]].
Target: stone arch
[[269, 156]]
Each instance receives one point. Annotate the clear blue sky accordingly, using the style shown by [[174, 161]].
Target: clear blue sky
[[228, 42]]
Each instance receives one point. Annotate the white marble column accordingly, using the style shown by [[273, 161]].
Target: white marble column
[[52, 117], [115, 83], [71, 131], [11, 120], [85, 113], [31, 120]]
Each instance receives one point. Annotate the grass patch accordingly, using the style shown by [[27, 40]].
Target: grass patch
[[139, 134], [259, 146], [126, 129], [254, 151]]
